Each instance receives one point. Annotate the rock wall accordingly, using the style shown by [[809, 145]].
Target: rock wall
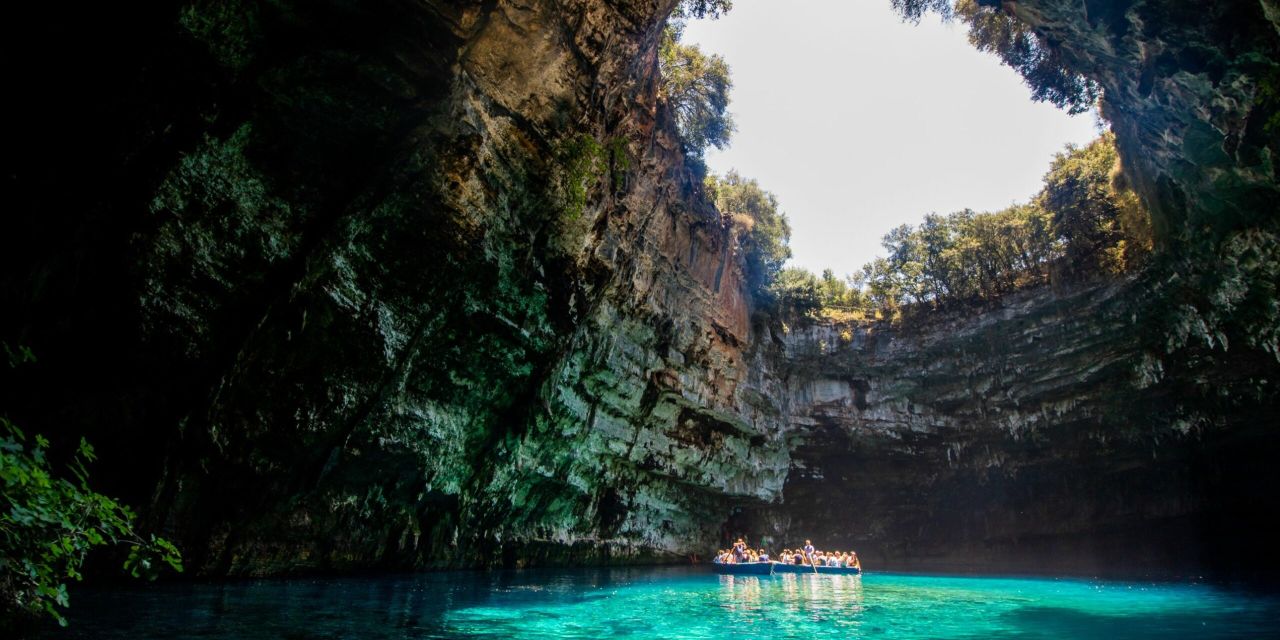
[[1030, 438], [339, 285], [1190, 90], [395, 284]]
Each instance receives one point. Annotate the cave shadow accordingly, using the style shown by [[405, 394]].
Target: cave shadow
[[1063, 622]]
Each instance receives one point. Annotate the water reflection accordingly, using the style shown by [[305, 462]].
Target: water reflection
[[666, 603]]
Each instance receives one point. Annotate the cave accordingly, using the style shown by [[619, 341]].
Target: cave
[[308, 276]]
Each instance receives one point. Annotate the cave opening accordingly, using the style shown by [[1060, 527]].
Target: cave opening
[[337, 287], [811, 113]]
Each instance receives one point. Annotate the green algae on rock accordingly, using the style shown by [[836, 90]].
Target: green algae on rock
[[337, 297]]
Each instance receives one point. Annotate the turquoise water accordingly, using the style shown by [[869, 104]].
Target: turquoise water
[[672, 603]]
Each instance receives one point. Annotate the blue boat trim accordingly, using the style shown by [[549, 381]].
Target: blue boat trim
[[745, 568], [771, 568], [783, 567]]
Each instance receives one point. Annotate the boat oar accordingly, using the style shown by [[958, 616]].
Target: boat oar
[[812, 563]]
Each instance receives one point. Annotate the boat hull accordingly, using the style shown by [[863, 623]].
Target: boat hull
[[804, 568], [744, 568]]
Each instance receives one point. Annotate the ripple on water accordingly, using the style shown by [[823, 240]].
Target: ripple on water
[[671, 603]]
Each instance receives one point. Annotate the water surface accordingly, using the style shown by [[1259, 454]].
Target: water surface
[[686, 602]]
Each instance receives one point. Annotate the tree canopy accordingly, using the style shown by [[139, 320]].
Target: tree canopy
[[1097, 218], [993, 30], [764, 232], [701, 9], [1084, 222], [49, 523], [696, 87]]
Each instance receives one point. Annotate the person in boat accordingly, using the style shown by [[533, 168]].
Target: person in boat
[[740, 550], [763, 556], [808, 551], [853, 561]]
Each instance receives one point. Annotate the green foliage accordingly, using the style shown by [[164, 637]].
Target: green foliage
[[961, 257], [1085, 222], [763, 230], [17, 355], [1081, 193], [701, 9], [583, 161], [230, 29], [619, 162], [843, 294], [696, 88], [49, 523], [796, 289], [915, 10], [992, 30]]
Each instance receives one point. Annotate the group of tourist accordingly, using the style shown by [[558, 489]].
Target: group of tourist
[[806, 556]]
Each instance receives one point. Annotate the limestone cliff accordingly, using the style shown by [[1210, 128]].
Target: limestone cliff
[[1190, 90], [408, 285], [337, 285], [1025, 438]]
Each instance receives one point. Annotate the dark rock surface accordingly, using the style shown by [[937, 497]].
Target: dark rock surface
[[1030, 438], [1190, 89], [330, 288]]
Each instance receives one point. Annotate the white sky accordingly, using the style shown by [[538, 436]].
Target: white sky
[[860, 122]]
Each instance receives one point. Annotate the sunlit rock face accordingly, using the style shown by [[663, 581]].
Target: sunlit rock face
[[355, 314], [316, 279], [463, 368]]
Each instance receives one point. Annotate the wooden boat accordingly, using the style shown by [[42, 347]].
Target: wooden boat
[[744, 568], [783, 567]]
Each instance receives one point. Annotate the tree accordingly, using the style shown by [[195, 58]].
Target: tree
[[701, 9], [49, 523], [1094, 214], [884, 286], [764, 233], [796, 289], [1048, 74], [696, 88]]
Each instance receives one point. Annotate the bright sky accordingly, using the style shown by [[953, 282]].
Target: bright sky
[[859, 122]]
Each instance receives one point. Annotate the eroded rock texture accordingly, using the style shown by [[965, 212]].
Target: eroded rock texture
[[1190, 89], [412, 285], [1028, 438], [423, 284]]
